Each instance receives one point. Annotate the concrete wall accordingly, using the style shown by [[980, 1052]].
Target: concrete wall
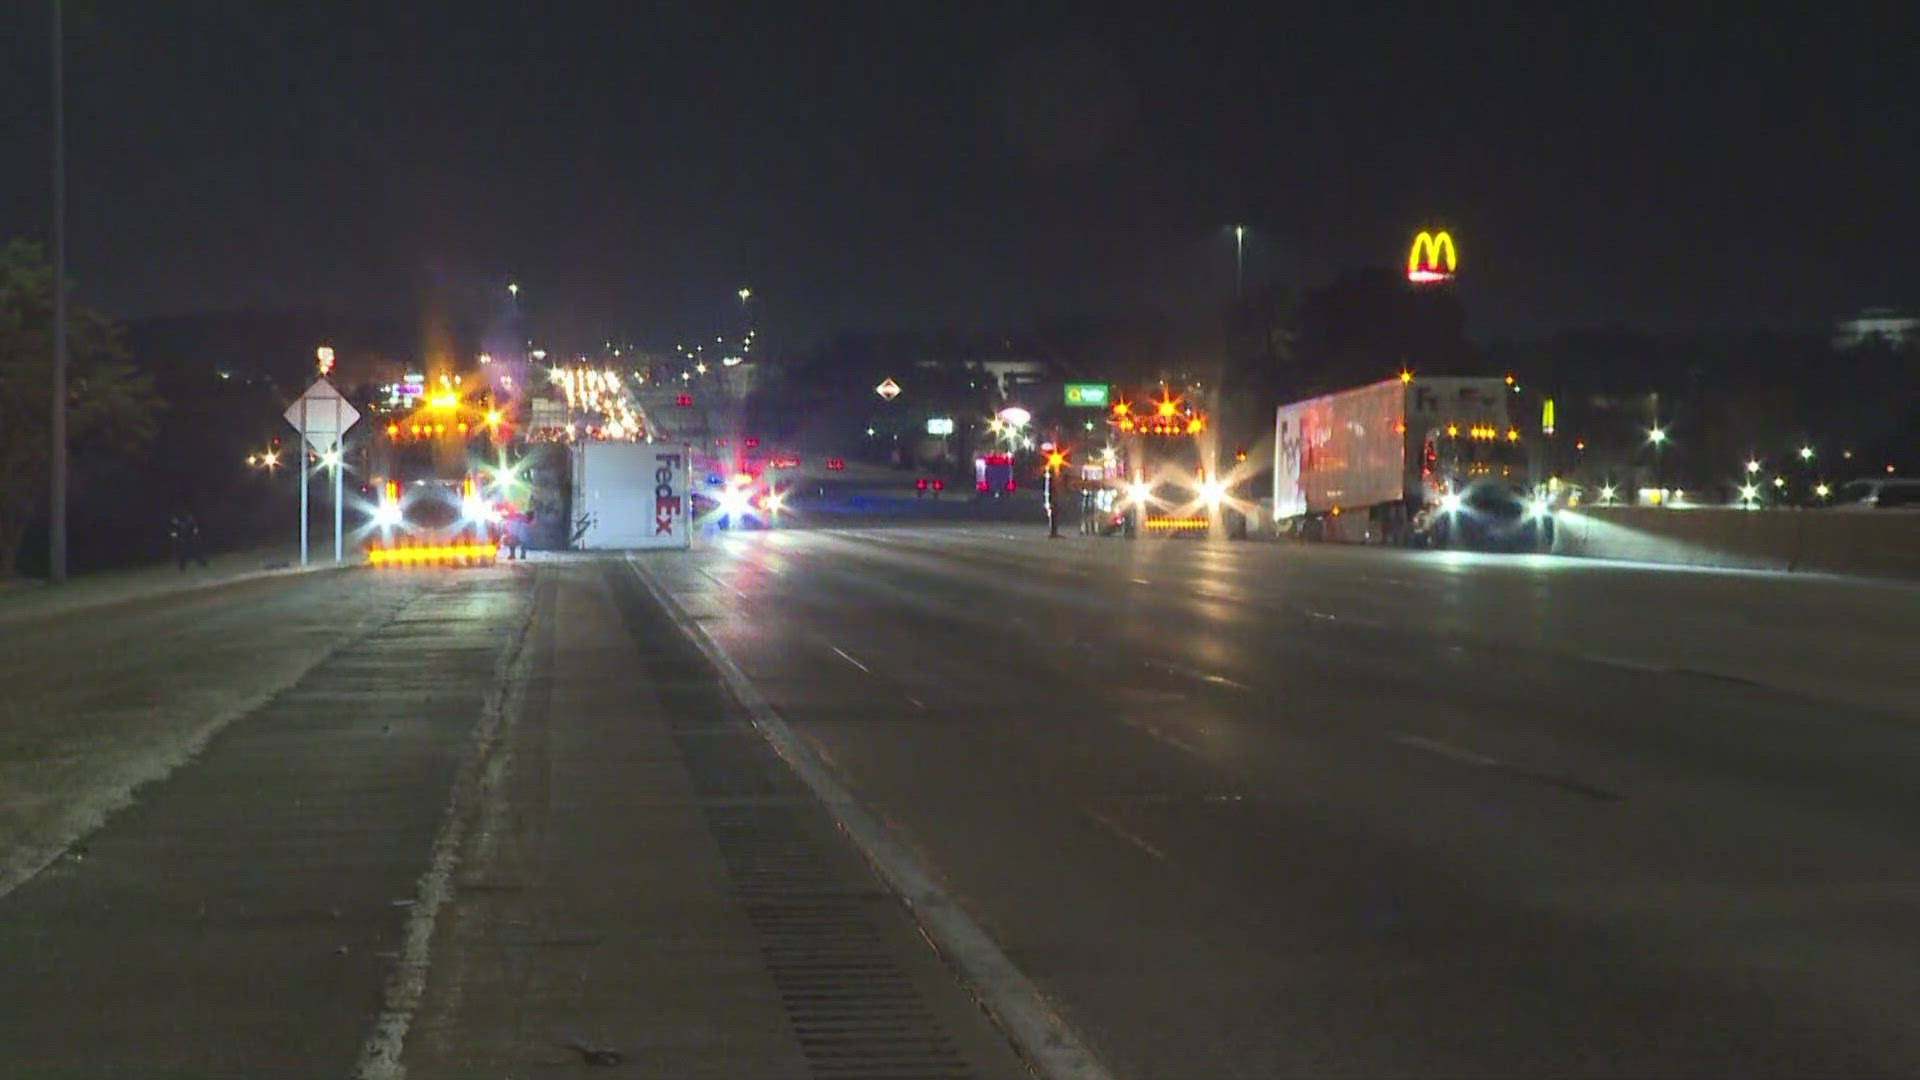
[[1879, 543]]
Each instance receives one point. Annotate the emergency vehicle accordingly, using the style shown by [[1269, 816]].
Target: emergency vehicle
[[1159, 475], [431, 471]]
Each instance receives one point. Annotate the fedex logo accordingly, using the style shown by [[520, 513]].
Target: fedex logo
[[666, 501]]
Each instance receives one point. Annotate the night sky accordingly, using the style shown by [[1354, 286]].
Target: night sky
[[631, 165]]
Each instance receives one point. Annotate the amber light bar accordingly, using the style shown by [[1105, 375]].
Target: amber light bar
[[1177, 523], [410, 556]]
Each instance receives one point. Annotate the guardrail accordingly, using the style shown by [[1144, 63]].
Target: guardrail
[[1885, 543]]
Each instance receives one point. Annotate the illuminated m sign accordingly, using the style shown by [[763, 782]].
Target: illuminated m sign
[[1432, 258]]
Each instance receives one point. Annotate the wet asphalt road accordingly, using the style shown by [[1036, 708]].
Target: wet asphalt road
[[1237, 810], [1259, 810]]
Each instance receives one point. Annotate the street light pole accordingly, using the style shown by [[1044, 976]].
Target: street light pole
[[1239, 262], [57, 479]]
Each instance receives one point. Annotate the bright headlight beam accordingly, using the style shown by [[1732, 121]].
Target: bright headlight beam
[[1450, 503]]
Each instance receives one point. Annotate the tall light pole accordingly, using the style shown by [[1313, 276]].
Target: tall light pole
[[57, 480], [1239, 262]]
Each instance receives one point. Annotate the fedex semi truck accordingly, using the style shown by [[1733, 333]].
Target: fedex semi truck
[[1411, 461]]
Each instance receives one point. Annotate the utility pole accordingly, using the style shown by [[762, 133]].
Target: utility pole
[[57, 480]]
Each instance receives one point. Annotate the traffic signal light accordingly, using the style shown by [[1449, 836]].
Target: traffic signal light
[[684, 400]]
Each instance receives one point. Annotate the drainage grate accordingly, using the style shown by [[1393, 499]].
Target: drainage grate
[[855, 1011]]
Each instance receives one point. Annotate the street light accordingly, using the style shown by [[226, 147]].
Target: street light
[[1239, 262], [1657, 435], [745, 295], [1753, 465], [513, 289], [1806, 453]]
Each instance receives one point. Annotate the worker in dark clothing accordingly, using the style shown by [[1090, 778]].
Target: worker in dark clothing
[[514, 523], [183, 529]]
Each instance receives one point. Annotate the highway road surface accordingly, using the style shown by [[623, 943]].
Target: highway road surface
[[1232, 809], [1263, 810]]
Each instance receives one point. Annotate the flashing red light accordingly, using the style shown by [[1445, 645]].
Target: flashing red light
[[752, 443], [684, 400], [920, 484], [835, 464], [1010, 485], [719, 442], [939, 485]]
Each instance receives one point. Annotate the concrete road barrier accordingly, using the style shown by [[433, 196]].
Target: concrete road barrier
[[1880, 544]]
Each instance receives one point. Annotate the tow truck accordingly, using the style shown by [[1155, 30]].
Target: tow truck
[[435, 501], [1158, 476]]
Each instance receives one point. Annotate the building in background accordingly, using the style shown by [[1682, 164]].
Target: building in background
[[1883, 325]]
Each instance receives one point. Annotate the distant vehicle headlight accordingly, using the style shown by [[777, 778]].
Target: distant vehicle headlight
[[1214, 492], [474, 509], [735, 500], [1450, 503], [387, 513], [1139, 492], [1540, 507]]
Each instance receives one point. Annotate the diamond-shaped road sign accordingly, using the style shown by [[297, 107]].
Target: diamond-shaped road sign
[[321, 415], [888, 389]]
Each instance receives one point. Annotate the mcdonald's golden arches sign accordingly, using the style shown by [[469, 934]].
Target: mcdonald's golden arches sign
[[1432, 257]]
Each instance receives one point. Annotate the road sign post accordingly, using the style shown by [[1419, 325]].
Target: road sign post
[[322, 417], [338, 455], [304, 530]]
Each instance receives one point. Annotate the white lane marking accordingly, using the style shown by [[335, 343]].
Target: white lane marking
[[850, 660], [480, 775], [1151, 731], [1132, 838], [709, 575], [1140, 581], [1200, 676], [1050, 1047], [917, 703], [1445, 750]]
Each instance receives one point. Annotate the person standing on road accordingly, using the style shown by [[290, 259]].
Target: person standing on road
[[183, 529], [513, 530]]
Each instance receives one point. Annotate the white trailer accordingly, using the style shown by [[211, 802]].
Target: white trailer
[[629, 495], [1366, 464]]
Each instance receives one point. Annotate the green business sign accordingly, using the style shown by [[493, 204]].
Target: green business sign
[[1088, 395]]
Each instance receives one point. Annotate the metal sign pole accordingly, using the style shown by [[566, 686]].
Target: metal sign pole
[[303, 481], [338, 456]]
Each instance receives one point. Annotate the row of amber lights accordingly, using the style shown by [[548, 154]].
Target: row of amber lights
[[1177, 523], [395, 430], [407, 556], [1484, 432]]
